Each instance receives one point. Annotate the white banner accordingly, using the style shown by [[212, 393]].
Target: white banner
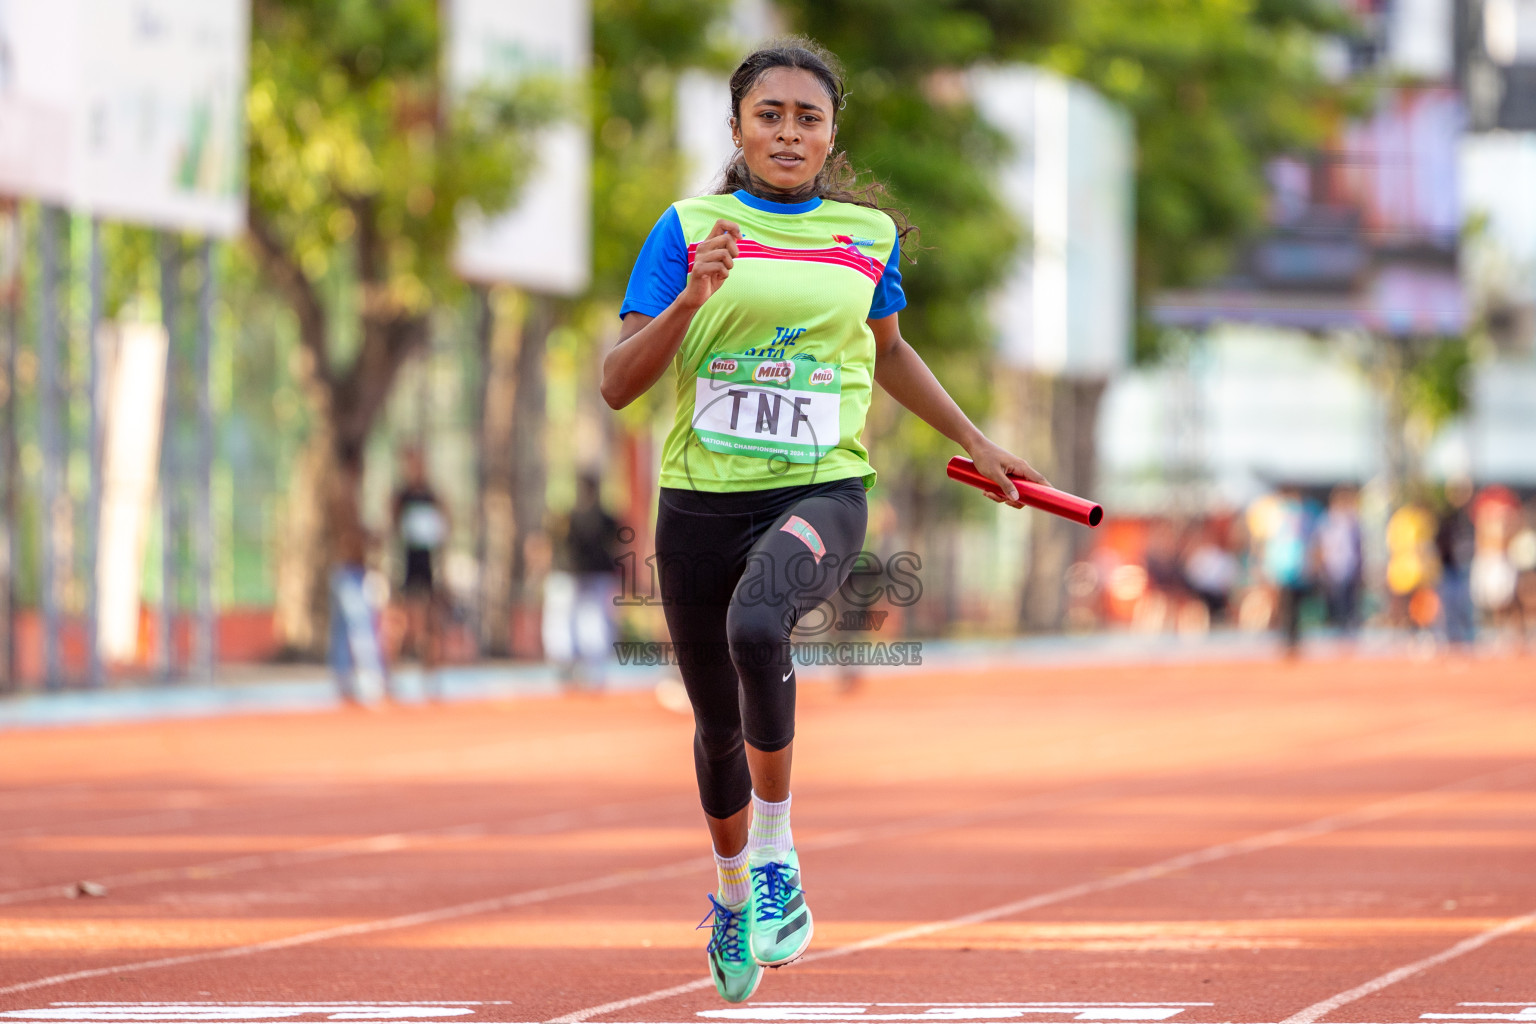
[[703, 128], [544, 242], [1067, 306], [131, 111], [131, 455]]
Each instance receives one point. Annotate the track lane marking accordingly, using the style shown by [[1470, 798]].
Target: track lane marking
[[1221, 851], [485, 906], [178, 815], [249, 796], [387, 842], [848, 837], [1321, 1009]]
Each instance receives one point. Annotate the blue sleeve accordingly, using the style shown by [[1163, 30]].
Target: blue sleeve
[[889, 298], [661, 269]]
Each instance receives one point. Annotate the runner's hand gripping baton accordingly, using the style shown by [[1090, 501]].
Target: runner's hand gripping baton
[[1047, 499]]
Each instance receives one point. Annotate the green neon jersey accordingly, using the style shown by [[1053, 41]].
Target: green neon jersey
[[774, 374]]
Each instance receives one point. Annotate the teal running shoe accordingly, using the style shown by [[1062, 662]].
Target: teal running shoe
[[731, 965], [781, 922]]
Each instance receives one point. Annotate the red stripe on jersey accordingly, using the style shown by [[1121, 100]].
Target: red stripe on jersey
[[842, 256]]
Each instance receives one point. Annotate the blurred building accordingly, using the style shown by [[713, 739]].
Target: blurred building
[[1495, 62], [1402, 233]]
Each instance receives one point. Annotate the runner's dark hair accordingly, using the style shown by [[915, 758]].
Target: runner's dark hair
[[837, 180]]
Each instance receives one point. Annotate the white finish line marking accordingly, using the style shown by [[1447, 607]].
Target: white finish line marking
[[234, 1012], [852, 1012], [1321, 826], [1222, 851], [1318, 1010], [486, 1011], [440, 1012], [436, 1012], [847, 837]]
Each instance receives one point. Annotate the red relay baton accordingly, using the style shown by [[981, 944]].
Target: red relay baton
[[1047, 499]]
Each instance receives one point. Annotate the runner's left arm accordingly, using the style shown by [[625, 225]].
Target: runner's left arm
[[906, 378]]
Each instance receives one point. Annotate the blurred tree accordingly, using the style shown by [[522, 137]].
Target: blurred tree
[[638, 48], [356, 173], [1216, 89], [910, 122]]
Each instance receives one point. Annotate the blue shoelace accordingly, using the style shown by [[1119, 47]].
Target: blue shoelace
[[726, 937], [771, 889]]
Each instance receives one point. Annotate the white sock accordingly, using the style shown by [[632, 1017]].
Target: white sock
[[769, 837], [735, 885]]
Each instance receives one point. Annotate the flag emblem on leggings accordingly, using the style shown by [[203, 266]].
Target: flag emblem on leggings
[[807, 533]]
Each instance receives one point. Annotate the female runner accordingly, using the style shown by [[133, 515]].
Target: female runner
[[775, 303]]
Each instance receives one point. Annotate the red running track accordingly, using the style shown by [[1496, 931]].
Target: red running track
[[1350, 842]]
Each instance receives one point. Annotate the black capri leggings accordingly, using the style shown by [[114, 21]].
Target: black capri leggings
[[737, 571]]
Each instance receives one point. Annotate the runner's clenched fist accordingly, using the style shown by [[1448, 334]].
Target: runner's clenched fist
[[712, 263]]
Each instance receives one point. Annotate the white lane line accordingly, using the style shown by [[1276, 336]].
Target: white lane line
[[610, 881], [486, 906], [149, 819], [946, 819], [1222, 851], [388, 842], [1319, 1010]]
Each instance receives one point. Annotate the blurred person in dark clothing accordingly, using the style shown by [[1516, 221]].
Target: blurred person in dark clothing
[[1210, 572], [1340, 559], [1158, 607], [1522, 556], [421, 525], [579, 628], [1456, 544]]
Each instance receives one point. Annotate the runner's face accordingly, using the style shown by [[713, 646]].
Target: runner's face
[[785, 130]]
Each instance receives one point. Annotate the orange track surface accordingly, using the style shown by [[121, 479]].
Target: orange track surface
[[1351, 841]]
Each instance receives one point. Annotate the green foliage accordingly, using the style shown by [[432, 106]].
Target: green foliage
[[353, 165], [908, 121], [1216, 88], [1435, 381], [639, 46], [910, 38], [638, 49]]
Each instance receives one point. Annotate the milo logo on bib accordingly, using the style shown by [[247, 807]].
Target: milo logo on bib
[[780, 372], [768, 408]]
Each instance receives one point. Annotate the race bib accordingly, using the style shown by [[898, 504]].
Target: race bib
[[768, 408]]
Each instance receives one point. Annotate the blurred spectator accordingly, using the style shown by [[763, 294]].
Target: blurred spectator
[[1522, 556], [1285, 562], [356, 655], [1210, 571], [1158, 606], [1493, 577], [1456, 543], [421, 526], [1411, 568], [578, 596], [1339, 559]]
